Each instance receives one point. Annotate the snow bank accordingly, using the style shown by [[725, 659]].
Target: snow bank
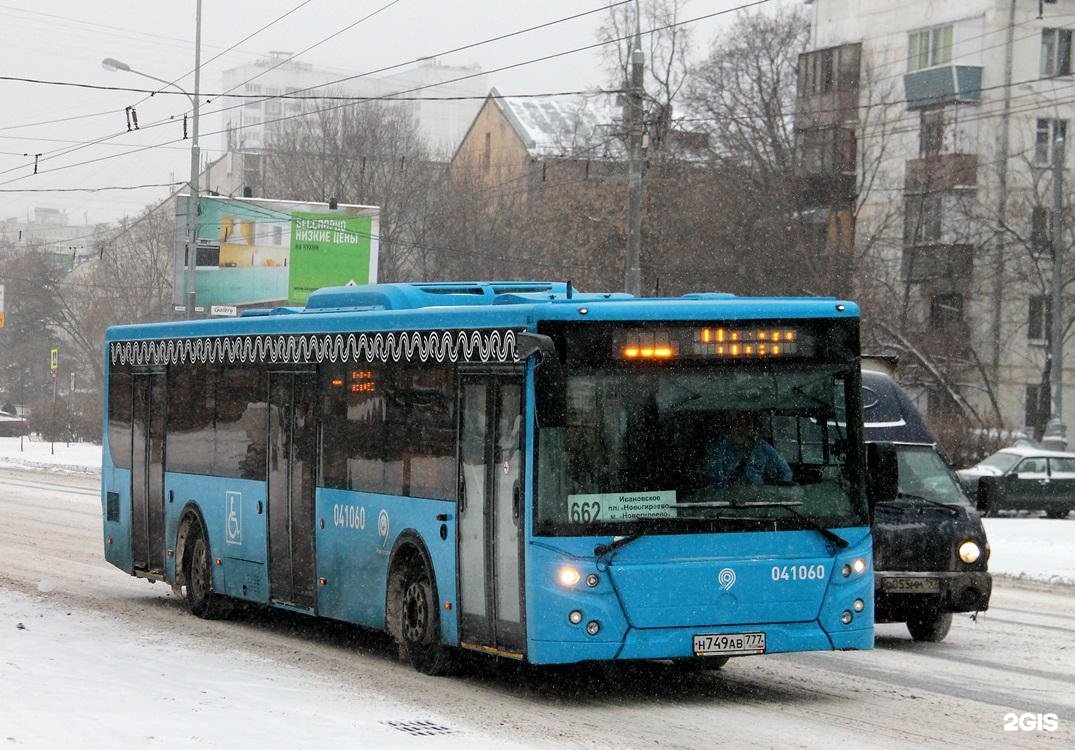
[[33, 453], [1032, 548]]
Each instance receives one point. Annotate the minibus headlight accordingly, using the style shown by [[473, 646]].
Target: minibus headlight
[[969, 552]]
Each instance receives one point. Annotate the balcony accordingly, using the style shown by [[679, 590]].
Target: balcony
[[949, 83], [941, 172], [937, 263]]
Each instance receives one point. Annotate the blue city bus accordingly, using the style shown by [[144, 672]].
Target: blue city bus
[[518, 469]]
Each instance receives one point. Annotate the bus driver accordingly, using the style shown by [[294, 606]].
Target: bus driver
[[743, 457]]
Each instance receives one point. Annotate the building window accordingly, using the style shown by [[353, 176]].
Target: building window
[[1055, 52], [922, 219], [1040, 241], [945, 310], [929, 47], [931, 133], [1048, 133], [825, 70], [487, 152], [1039, 318]]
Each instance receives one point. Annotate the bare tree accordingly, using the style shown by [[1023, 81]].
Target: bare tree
[[130, 281], [366, 153], [745, 92], [667, 45]]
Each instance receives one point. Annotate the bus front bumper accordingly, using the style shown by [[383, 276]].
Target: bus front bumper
[[677, 643]]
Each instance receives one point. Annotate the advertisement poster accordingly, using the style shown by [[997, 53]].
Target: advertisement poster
[[260, 252]]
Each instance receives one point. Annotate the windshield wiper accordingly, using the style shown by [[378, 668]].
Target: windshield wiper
[[839, 541], [919, 498], [604, 549]]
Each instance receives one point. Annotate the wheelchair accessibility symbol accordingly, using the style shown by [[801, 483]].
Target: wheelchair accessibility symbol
[[234, 521]]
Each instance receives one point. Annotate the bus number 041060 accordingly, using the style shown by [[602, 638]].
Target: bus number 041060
[[798, 572]]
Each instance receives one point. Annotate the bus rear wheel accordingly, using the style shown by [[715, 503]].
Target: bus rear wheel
[[419, 622], [198, 571]]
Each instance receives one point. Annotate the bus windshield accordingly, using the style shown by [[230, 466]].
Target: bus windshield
[[680, 450]]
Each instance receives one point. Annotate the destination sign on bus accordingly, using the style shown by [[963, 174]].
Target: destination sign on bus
[[363, 381], [716, 341], [620, 506]]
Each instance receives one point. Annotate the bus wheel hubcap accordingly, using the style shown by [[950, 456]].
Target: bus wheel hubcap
[[201, 571], [415, 612]]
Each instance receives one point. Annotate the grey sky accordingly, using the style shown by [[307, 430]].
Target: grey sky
[[65, 40]]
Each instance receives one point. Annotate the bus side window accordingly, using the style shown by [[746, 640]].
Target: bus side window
[[119, 418]]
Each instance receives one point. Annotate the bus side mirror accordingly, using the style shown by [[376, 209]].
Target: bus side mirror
[[882, 473], [527, 344], [988, 492], [548, 380]]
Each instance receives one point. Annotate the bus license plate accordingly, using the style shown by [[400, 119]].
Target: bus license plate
[[729, 644], [910, 585]]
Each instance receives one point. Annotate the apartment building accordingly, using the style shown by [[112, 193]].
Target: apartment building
[[930, 134], [442, 98]]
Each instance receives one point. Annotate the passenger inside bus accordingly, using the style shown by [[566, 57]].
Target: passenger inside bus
[[742, 456]]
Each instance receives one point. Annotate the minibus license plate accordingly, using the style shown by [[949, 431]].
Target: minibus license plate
[[910, 585], [729, 644]]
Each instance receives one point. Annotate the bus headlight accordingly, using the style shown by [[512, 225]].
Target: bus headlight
[[846, 617], [568, 576], [574, 617], [858, 565], [969, 552]]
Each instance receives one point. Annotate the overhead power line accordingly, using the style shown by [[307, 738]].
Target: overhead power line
[[311, 97], [543, 58], [90, 189], [63, 152]]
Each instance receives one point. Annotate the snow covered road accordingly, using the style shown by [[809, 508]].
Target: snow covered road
[[107, 660]]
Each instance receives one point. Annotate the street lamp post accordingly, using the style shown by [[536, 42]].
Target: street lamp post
[[190, 292], [1056, 431]]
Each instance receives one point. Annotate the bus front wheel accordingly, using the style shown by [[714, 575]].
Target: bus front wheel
[[419, 621]]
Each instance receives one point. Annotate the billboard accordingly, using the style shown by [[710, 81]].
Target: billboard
[[256, 251]]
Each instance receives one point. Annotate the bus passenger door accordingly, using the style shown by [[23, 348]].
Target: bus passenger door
[[147, 473], [291, 463], [491, 513]]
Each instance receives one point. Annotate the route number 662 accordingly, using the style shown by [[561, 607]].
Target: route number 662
[[1031, 722]]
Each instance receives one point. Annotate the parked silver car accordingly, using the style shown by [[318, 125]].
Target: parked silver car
[[1023, 478]]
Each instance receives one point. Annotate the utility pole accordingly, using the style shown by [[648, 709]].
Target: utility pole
[[1002, 198], [633, 114], [1056, 431], [195, 164]]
